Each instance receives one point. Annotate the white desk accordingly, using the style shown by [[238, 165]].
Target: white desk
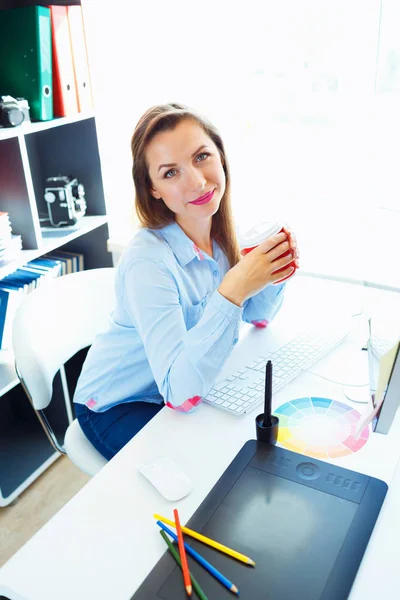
[[104, 542]]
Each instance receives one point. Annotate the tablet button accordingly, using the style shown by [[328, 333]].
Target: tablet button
[[308, 470]]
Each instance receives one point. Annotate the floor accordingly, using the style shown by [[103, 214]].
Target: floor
[[37, 504]]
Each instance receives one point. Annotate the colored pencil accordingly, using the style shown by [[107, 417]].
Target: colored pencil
[[182, 554], [175, 554], [210, 542], [268, 395], [221, 578]]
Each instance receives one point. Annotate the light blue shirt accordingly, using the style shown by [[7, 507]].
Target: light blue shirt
[[171, 331]]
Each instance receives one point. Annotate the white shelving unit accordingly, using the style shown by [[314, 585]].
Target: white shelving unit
[[28, 155]]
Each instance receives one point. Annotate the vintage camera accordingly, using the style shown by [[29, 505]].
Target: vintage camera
[[65, 198], [13, 111]]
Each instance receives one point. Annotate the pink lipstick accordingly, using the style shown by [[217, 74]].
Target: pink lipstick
[[203, 199]]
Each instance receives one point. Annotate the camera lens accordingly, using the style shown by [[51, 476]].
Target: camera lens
[[14, 116]]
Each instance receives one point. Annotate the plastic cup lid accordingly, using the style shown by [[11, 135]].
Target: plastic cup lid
[[255, 235]]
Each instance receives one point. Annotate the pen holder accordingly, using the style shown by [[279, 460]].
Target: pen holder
[[268, 434]]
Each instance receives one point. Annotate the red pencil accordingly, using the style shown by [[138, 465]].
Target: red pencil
[[185, 568]]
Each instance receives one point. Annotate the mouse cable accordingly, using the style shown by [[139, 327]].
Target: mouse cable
[[338, 382]]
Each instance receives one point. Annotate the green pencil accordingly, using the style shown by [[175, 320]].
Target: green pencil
[[176, 556]]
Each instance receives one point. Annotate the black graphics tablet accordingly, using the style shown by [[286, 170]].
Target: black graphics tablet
[[304, 522]]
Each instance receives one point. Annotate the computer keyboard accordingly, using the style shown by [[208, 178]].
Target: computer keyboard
[[244, 389]]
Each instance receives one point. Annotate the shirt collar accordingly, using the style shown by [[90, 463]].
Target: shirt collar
[[182, 246]]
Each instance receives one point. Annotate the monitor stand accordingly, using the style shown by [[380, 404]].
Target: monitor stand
[[357, 394]]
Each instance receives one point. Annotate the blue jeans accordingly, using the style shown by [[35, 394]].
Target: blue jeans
[[110, 430]]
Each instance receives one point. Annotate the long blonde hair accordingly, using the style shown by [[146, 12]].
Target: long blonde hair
[[155, 215]]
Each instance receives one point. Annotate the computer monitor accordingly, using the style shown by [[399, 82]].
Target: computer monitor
[[384, 379]]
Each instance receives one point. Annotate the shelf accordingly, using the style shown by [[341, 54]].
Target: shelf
[[8, 376], [9, 132], [53, 238], [28, 128], [29, 154], [27, 452], [13, 495]]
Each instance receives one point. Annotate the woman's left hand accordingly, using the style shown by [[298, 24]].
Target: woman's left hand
[[293, 244]]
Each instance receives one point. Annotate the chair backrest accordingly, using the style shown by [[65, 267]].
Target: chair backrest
[[57, 320]]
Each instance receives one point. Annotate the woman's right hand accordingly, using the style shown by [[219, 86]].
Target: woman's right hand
[[256, 270]]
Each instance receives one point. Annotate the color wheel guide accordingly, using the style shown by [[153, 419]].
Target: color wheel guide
[[320, 427]]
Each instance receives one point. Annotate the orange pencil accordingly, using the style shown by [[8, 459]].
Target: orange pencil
[[185, 568]]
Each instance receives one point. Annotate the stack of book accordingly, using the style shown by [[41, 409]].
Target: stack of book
[[71, 262], [10, 244], [24, 280]]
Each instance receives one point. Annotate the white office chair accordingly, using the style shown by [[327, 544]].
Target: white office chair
[[52, 324]]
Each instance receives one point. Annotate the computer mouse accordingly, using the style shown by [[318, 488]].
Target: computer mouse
[[167, 477]]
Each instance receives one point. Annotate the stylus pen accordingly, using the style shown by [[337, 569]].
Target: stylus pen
[[268, 395], [176, 556], [221, 578]]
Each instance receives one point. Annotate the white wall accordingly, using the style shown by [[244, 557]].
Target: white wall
[[291, 86]]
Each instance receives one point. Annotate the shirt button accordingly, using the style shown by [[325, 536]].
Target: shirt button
[[235, 341], [215, 273]]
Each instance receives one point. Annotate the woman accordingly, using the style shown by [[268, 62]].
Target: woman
[[181, 287]]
